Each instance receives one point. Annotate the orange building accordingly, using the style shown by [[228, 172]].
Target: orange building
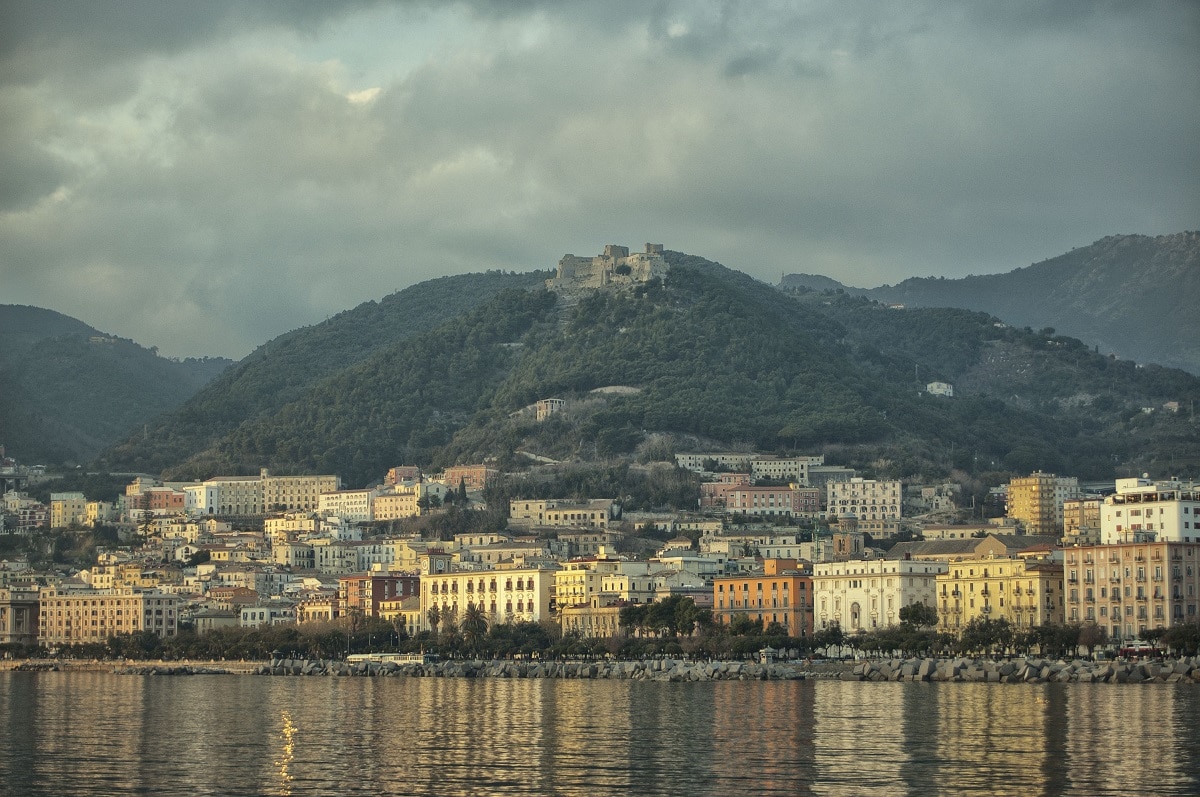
[[780, 593], [475, 477]]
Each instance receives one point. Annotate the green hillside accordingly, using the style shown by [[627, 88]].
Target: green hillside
[[282, 371], [710, 357], [66, 398]]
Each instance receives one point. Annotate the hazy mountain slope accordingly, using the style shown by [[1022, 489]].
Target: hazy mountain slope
[[711, 355], [1131, 295], [66, 398], [282, 370], [22, 326]]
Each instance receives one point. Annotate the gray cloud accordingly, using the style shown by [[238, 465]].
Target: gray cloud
[[203, 177]]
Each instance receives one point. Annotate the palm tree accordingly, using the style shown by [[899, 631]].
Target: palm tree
[[474, 625], [435, 617]]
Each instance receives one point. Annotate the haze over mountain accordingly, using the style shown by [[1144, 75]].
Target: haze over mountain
[[1131, 295], [710, 358], [67, 390]]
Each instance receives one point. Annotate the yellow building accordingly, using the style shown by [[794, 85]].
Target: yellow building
[[595, 620], [404, 613], [1025, 592], [80, 616], [1081, 521], [1037, 501], [505, 595]]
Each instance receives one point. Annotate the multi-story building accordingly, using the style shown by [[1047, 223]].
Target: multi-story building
[[402, 473], [722, 460], [1127, 588], [791, 501], [866, 499], [781, 592], [1081, 521], [504, 595], [69, 616], [67, 509], [473, 477], [404, 501], [364, 592], [1023, 591], [784, 469], [1036, 501], [1144, 510], [865, 594], [552, 512], [354, 506], [295, 493]]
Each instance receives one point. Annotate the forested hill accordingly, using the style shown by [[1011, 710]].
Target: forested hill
[[282, 370], [1131, 295], [68, 391], [711, 357]]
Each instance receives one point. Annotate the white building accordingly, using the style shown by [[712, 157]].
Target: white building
[[940, 389], [862, 595], [866, 499], [353, 506], [1145, 511], [785, 469]]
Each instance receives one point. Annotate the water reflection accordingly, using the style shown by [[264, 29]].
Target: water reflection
[[287, 752], [94, 734]]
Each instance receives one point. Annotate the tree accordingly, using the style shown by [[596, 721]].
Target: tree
[[918, 615], [435, 618], [474, 625]]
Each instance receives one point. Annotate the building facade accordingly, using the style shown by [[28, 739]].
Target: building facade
[[87, 616], [865, 594], [1128, 588], [1036, 501], [866, 499], [780, 593], [1144, 510], [1024, 592]]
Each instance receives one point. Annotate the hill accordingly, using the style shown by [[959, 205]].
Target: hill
[[283, 370], [1130, 295], [711, 356], [69, 391]]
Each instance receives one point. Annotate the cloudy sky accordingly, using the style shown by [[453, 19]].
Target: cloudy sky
[[203, 176]]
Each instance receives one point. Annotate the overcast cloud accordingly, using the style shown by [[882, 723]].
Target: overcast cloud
[[205, 176]]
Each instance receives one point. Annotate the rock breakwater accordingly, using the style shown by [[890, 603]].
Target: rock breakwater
[[1022, 670]]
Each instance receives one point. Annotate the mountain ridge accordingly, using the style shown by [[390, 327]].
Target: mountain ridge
[[1131, 295]]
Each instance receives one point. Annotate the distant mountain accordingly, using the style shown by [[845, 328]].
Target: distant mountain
[[67, 390], [1130, 295], [710, 357]]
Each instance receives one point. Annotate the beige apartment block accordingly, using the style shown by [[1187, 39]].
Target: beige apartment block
[[82, 616], [1132, 587]]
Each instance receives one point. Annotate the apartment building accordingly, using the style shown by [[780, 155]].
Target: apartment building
[[553, 512], [1023, 591], [505, 595], [781, 592], [1036, 501], [1141, 510], [1128, 588], [72, 616], [866, 499]]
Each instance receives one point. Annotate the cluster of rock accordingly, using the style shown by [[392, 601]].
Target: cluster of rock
[[1029, 670], [648, 670], [168, 669]]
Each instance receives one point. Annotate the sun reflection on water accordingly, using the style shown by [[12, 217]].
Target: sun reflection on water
[[287, 749]]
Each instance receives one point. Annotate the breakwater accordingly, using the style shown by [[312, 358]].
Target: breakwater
[[1021, 670]]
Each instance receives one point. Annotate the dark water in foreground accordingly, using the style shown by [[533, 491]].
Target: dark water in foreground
[[99, 734]]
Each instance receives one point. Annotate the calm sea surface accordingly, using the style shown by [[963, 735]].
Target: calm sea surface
[[98, 734]]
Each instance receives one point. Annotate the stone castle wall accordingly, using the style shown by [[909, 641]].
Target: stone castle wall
[[616, 267]]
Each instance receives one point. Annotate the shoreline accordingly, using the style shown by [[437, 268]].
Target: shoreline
[[953, 670]]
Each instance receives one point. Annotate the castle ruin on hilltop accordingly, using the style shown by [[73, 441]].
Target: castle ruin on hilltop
[[616, 267]]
